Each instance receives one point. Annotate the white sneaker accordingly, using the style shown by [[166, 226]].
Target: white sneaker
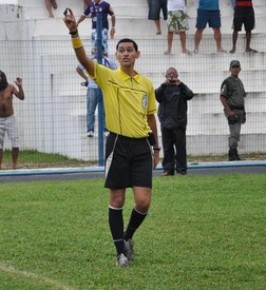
[[90, 134]]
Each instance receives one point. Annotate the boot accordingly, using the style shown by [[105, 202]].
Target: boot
[[237, 156], [232, 155]]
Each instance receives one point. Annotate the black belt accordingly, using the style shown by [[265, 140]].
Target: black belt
[[237, 108]]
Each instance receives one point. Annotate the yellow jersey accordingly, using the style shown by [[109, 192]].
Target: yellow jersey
[[127, 101]]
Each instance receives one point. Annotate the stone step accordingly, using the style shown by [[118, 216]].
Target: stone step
[[14, 28], [133, 27], [202, 121], [125, 8], [193, 70]]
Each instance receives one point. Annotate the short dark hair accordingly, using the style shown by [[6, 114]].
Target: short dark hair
[[127, 40], [2, 74], [3, 83]]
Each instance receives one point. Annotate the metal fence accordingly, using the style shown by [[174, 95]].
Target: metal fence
[[52, 118]]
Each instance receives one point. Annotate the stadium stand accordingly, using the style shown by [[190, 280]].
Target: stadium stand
[[52, 118]]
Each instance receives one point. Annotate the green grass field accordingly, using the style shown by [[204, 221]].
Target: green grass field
[[203, 232]]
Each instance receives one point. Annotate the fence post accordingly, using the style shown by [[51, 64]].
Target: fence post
[[100, 103]]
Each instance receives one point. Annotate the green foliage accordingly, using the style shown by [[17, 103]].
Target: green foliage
[[202, 233]]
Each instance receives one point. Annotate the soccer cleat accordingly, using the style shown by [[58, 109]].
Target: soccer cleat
[[129, 250], [122, 261]]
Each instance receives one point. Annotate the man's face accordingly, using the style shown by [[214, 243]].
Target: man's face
[[171, 75], [235, 70], [126, 54]]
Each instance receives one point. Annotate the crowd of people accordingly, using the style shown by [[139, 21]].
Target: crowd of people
[[175, 12], [208, 13]]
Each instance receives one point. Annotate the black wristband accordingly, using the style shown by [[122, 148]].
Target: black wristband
[[156, 148], [73, 32]]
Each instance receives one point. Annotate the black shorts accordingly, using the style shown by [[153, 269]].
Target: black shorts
[[129, 162], [155, 7], [244, 15]]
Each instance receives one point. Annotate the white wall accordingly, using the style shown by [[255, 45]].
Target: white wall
[[52, 117]]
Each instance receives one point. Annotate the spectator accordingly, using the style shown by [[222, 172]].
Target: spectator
[[50, 4], [208, 13], [172, 96], [177, 22], [155, 7], [91, 12], [130, 106], [232, 97], [94, 94], [243, 14], [7, 118]]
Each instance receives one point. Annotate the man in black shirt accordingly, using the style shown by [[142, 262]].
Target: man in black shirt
[[172, 96]]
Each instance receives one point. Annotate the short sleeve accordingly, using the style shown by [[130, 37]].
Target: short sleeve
[[224, 89]]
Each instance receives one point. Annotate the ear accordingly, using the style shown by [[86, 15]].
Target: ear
[[137, 54]]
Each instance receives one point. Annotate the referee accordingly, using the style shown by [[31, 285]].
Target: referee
[[130, 108]]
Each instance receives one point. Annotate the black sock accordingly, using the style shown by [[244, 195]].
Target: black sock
[[117, 227], [135, 221]]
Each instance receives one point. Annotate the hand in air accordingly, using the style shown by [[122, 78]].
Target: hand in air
[[18, 81], [70, 20]]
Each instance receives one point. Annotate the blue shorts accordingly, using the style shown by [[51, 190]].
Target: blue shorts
[[211, 17]]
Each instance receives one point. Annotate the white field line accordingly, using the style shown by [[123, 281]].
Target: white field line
[[10, 269]]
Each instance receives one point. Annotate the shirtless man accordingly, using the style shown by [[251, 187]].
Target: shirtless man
[[7, 118]]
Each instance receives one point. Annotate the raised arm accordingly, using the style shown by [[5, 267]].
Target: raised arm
[[71, 24], [19, 93], [159, 92], [186, 91], [82, 17], [113, 20]]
